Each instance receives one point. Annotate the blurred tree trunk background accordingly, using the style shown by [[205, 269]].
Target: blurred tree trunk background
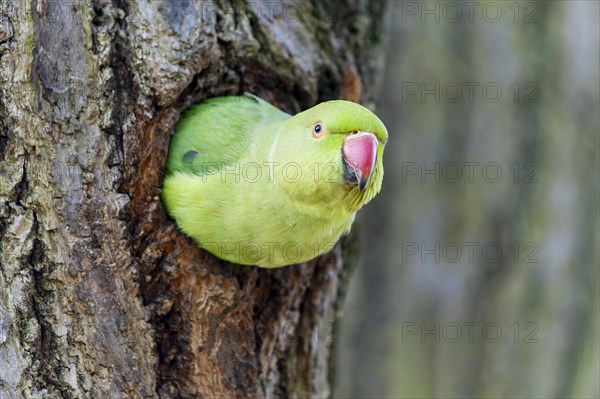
[[99, 295], [426, 319]]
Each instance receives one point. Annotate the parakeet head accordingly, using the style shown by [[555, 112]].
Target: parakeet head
[[338, 146]]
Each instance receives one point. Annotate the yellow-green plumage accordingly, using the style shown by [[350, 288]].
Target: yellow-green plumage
[[252, 185]]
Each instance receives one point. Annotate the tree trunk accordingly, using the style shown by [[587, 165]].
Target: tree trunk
[[483, 282], [100, 295]]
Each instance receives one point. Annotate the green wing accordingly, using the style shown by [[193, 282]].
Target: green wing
[[217, 132]]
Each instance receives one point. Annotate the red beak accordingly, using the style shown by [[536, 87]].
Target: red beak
[[359, 153]]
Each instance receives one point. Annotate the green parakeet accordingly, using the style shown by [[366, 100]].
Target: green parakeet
[[256, 186]]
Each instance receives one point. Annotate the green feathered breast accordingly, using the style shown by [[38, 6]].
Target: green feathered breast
[[256, 186]]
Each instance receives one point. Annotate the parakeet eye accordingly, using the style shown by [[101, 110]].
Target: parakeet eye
[[317, 130]]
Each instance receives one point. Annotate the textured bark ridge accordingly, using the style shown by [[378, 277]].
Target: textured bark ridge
[[100, 296]]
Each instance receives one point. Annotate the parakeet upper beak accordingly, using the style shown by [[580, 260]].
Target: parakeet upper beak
[[359, 154]]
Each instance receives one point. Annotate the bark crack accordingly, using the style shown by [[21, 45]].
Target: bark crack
[[46, 370], [22, 188]]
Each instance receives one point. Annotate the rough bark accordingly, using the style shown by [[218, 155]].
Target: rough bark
[[100, 295]]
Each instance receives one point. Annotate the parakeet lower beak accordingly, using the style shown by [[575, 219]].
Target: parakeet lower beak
[[359, 154]]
